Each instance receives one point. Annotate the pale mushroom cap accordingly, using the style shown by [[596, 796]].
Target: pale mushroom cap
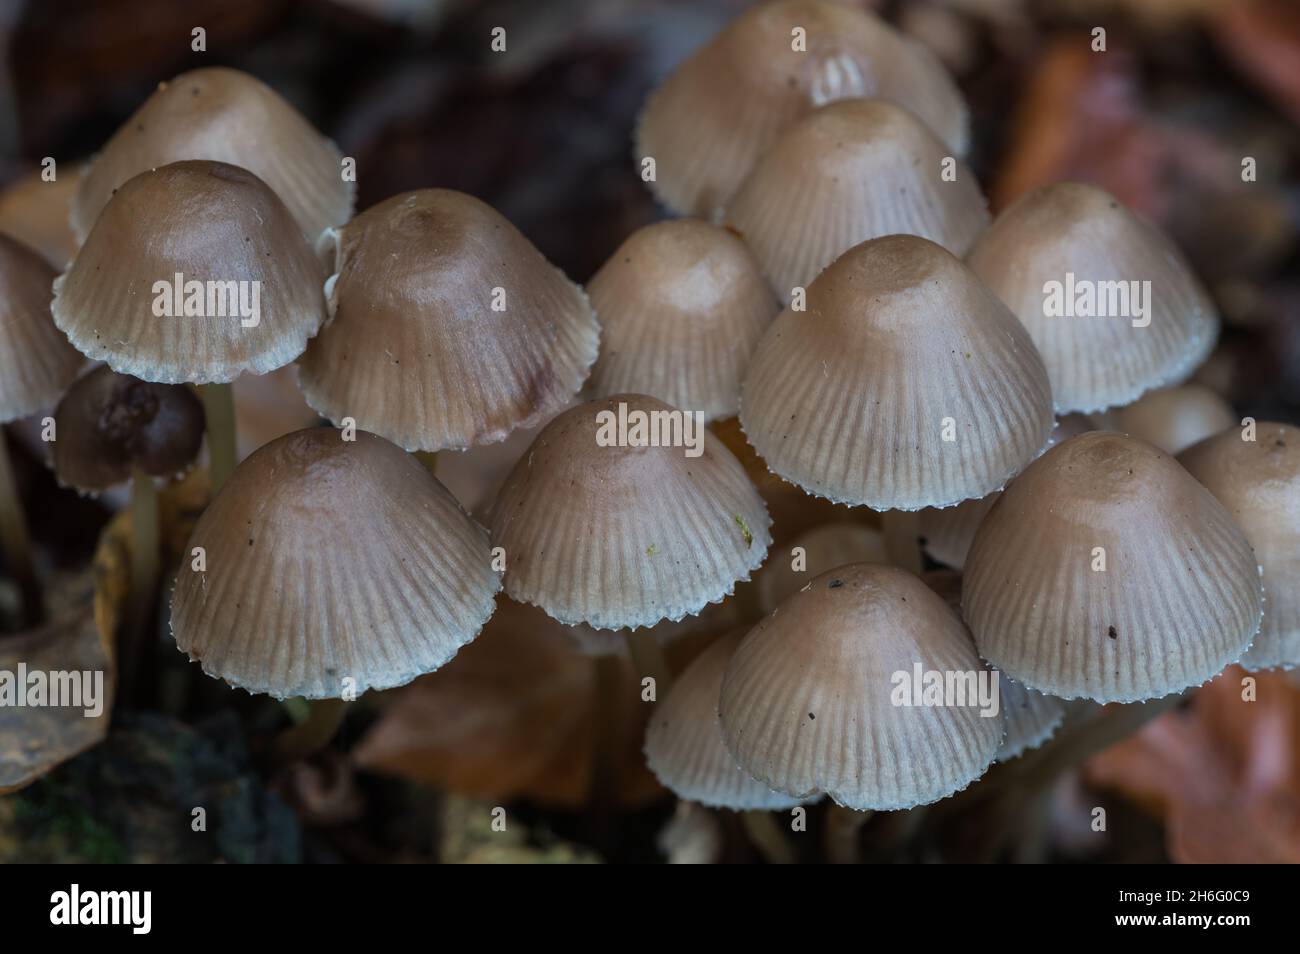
[[617, 536], [1070, 229], [725, 105], [36, 362], [447, 327], [682, 305], [329, 560], [35, 211], [900, 348], [812, 553], [234, 245], [851, 171], [1178, 599], [808, 701], [1173, 419], [1259, 483], [230, 116], [683, 743]]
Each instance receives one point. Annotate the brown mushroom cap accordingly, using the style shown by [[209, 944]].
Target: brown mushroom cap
[[414, 349], [1096, 362], [807, 701], [327, 560], [1178, 599], [625, 536], [109, 424], [210, 223], [36, 361], [682, 305], [1259, 483], [1172, 419], [852, 399], [683, 742], [230, 116], [35, 212], [725, 105]]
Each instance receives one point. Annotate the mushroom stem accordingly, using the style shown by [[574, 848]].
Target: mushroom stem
[[219, 411], [607, 682], [842, 828], [16, 543], [765, 835], [324, 716], [648, 659], [145, 537], [902, 530]]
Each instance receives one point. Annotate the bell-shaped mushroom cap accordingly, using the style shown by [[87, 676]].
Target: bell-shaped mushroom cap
[[108, 424], [193, 272], [723, 107], [683, 742], [1094, 250], [947, 533], [609, 520], [1172, 419], [1258, 481], [226, 115], [35, 211], [330, 564], [905, 384], [817, 697], [447, 326], [682, 305], [812, 553], [851, 171], [1106, 572], [36, 361]]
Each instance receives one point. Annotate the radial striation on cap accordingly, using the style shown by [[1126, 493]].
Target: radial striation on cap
[[1105, 571], [447, 327], [683, 743], [194, 272], [600, 527], [1030, 718], [326, 560], [1109, 301], [905, 384], [36, 362], [1258, 481], [724, 106], [851, 171], [230, 116], [811, 700], [682, 305]]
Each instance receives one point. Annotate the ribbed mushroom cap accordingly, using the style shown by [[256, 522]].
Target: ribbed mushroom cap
[[625, 536], [900, 346], [209, 223], [819, 549], [328, 560], [35, 212], [808, 700], [682, 305], [1179, 597], [36, 361], [724, 106], [226, 115], [851, 171], [447, 326], [1172, 419], [947, 533], [108, 424], [1259, 483], [1097, 362], [683, 742]]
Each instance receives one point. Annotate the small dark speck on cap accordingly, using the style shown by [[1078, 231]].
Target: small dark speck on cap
[[811, 716], [1112, 634], [834, 584]]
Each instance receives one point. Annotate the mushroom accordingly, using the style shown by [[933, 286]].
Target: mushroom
[[1061, 246], [328, 566], [447, 327], [724, 106], [1106, 572], [36, 364], [230, 116], [35, 211], [905, 384], [193, 272], [851, 171], [1172, 419], [682, 305], [621, 533], [1258, 481], [683, 742], [811, 700]]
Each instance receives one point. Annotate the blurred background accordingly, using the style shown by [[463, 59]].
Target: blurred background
[[411, 90]]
